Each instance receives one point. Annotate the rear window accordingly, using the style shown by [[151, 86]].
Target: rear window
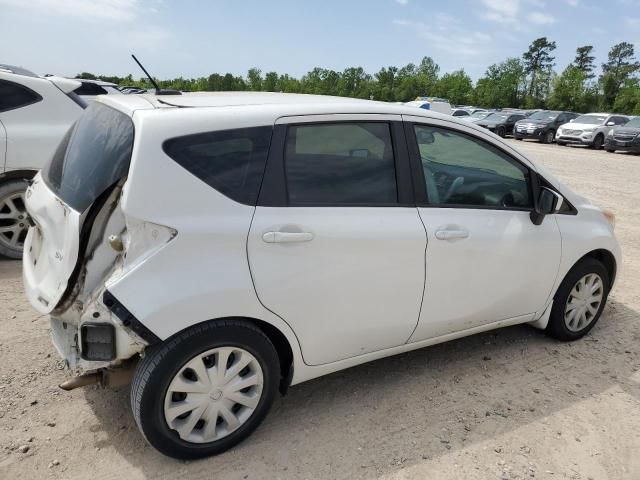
[[231, 161], [14, 96], [93, 155]]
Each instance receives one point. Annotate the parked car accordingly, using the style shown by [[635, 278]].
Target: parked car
[[500, 123], [460, 112], [479, 115], [92, 88], [255, 241], [542, 125], [625, 138], [589, 129], [35, 112], [435, 104]]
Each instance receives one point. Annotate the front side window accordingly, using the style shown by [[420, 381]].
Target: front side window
[[461, 170], [14, 96], [340, 164], [231, 161]]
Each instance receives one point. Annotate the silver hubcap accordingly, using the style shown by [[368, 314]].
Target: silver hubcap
[[583, 302], [213, 394], [13, 221]]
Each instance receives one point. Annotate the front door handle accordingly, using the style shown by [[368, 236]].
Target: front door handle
[[446, 234], [287, 237]]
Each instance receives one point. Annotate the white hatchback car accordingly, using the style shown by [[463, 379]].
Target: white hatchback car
[[35, 112], [240, 243]]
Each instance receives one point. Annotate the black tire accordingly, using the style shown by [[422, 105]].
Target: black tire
[[562, 144], [501, 132], [162, 362], [557, 327], [519, 138], [548, 136], [598, 141], [610, 150], [7, 190]]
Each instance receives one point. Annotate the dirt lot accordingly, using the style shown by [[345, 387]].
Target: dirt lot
[[506, 404]]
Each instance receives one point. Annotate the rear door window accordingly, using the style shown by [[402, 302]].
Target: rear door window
[[14, 96], [92, 156], [231, 161], [340, 164]]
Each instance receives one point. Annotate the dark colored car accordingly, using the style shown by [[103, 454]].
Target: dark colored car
[[500, 123], [625, 138], [542, 125]]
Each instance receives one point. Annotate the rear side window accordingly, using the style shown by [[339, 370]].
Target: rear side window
[[340, 164], [88, 88], [91, 157], [14, 96], [231, 161]]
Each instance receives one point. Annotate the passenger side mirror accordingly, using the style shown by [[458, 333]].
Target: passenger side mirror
[[571, 120], [610, 124], [549, 201]]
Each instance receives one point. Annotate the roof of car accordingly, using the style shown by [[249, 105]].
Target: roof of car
[[313, 104], [17, 70]]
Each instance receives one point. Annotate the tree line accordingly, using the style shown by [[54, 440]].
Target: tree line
[[526, 82]]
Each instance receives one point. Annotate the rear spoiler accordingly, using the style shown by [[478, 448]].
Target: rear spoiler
[[67, 85]]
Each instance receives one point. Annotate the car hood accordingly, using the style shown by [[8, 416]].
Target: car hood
[[627, 130], [579, 126], [526, 121], [484, 123]]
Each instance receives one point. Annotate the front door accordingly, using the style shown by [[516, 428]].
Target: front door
[[336, 246], [486, 261]]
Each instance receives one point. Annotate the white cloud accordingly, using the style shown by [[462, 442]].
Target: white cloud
[[501, 11], [573, 3], [114, 10], [446, 34], [402, 2], [541, 18]]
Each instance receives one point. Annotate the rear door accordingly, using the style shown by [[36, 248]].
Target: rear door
[[336, 246]]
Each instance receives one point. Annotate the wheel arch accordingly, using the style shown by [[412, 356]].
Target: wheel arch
[[17, 175], [605, 257]]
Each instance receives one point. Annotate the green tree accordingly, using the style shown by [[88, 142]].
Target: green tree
[[502, 85], [270, 83], [386, 84], [585, 61], [569, 90], [254, 79], [620, 67], [456, 87], [538, 64]]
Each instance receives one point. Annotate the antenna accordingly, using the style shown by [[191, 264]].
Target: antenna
[[153, 82]]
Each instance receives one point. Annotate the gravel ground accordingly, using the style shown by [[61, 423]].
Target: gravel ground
[[506, 404]]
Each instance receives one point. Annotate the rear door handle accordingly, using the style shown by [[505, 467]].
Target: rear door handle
[[451, 234], [287, 237]]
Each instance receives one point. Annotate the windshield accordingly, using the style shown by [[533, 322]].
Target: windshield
[[591, 119], [544, 115], [634, 123], [497, 116], [480, 114], [93, 155]]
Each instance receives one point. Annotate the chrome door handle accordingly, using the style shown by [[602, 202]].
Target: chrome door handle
[[287, 237], [451, 234]]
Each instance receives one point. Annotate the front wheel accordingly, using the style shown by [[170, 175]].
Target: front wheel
[[610, 150], [579, 301], [13, 218], [501, 132], [598, 141], [549, 136], [206, 389]]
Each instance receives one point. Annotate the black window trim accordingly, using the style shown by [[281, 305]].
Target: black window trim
[[37, 96], [420, 183], [273, 191]]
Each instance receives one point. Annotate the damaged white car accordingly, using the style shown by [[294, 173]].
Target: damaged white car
[[217, 248]]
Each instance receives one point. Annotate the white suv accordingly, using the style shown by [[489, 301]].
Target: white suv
[[35, 112], [590, 129], [240, 243]]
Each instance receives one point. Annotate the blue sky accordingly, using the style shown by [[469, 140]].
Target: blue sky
[[193, 38]]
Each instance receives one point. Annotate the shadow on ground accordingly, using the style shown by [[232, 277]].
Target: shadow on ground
[[395, 411]]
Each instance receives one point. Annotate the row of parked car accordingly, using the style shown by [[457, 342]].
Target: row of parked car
[[611, 131]]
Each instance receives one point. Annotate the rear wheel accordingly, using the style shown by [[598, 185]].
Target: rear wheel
[[562, 144], [548, 137], [519, 138], [579, 301], [13, 218], [206, 389], [610, 150], [501, 132]]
